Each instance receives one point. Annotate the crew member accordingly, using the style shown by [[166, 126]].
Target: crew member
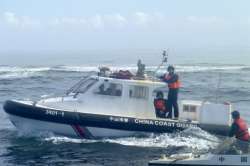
[[160, 105], [172, 79], [141, 70], [239, 128]]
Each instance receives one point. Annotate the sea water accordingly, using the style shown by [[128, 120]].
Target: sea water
[[209, 78]]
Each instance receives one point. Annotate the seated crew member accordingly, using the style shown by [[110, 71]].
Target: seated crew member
[[160, 105], [172, 79], [239, 129], [104, 89]]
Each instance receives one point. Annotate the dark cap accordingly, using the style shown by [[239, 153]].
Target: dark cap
[[159, 94], [235, 114], [170, 67]]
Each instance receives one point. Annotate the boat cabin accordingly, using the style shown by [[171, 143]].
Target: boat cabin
[[121, 97], [135, 99]]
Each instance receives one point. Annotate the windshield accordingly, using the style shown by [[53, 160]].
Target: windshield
[[110, 89]]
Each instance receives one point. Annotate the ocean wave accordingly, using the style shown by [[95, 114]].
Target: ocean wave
[[74, 68], [191, 138], [246, 68], [8, 72], [194, 138], [59, 140], [196, 68]]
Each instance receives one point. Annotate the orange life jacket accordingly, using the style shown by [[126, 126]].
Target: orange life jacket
[[173, 85], [242, 133], [160, 104]]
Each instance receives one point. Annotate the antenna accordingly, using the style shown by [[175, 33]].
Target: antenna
[[164, 60], [165, 56]]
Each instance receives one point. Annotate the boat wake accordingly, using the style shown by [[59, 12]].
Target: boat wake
[[194, 139]]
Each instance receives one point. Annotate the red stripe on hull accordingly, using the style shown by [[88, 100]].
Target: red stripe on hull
[[79, 131]]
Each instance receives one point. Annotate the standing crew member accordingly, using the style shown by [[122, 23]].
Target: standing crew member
[[172, 79], [239, 128], [140, 70]]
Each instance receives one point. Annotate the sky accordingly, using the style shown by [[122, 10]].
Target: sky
[[193, 26]]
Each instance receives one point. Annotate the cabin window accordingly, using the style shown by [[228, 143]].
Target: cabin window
[[84, 86], [192, 108], [110, 89], [186, 108], [189, 108], [139, 92]]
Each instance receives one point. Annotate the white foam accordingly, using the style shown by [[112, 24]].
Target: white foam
[[58, 140], [22, 69], [92, 68], [168, 140], [198, 68], [75, 68], [24, 72], [21, 72], [200, 141]]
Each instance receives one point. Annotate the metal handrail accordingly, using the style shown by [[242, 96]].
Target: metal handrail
[[77, 85]]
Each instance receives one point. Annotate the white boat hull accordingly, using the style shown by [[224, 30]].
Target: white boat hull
[[35, 118], [27, 125]]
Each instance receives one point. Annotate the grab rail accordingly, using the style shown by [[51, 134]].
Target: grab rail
[[77, 85]]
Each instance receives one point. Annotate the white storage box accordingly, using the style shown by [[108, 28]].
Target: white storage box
[[216, 114], [190, 110]]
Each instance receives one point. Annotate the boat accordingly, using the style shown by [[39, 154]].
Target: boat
[[116, 104], [203, 160], [231, 152]]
